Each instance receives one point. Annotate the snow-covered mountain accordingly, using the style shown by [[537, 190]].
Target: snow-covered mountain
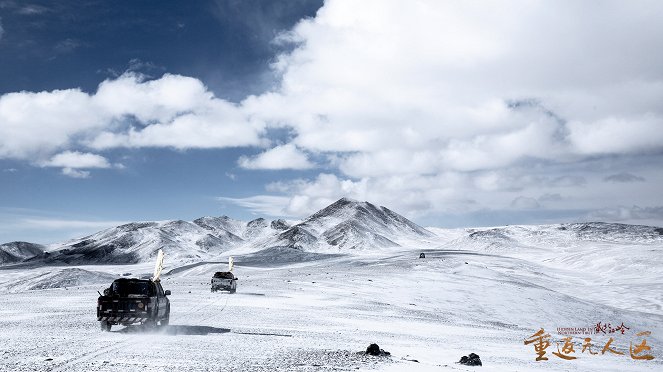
[[344, 227], [139, 241], [19, 251], [349, 225]]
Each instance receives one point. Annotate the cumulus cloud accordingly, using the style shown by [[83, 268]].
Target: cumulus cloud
[[280, 157], [172, 111], [457, 106], [35, 125], [623, 177], [75, 159], [433, 85], [73, 163]]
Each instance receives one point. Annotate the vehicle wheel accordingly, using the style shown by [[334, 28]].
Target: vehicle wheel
[[150, 323], [232, 290], [166, 320], [105, 326]]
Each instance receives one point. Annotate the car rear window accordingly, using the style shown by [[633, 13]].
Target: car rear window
[[224, 275], [125, 288]]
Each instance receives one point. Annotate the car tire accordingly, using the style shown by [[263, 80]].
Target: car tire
[[105, 326], [150, 323], [165, 321]]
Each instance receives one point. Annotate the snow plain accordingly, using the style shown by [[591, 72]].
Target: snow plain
[[483, 295]]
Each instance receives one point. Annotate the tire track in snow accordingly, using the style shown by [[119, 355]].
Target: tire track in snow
[[86, 356]]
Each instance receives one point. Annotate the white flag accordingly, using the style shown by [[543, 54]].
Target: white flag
[[158, 267]]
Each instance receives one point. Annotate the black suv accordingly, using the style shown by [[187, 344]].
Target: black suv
[[131, 301]]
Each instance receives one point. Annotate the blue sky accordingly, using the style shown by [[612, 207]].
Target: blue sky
[[451, 113]]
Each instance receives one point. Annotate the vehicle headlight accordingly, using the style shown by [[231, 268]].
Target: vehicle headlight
[[141, 305]]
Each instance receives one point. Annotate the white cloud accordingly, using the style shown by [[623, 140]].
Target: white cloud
[[75, 159], [35, 125], [72, 163], [429, 85], [618, 135], [450, 107], [172, 111], [457, 106], [263, 204], [280, 157], [154, 100], [75, 173]]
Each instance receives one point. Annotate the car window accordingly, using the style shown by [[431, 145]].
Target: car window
[[124, 288], [159, 289]]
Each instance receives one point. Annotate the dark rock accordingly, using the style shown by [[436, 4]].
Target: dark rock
[[470, 360], [280, 225], [374, 349], [422, 255], [258, 222]]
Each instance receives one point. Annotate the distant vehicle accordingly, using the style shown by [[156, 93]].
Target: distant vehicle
[[225, 280], [422, 255], [135, 301]]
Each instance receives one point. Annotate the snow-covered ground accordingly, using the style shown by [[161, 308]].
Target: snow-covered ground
[[484, 293]]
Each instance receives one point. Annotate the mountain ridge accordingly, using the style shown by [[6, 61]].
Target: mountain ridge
[[344, 227]]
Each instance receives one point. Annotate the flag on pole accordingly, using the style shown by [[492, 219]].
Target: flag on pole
[[158, 267]]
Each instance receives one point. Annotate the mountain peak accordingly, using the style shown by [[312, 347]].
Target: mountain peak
[[339, 206], [346, 220]]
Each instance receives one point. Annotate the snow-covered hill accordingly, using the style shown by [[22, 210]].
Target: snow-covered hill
[[139, 242], [344, 226], [19, 251], [349, 226]]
